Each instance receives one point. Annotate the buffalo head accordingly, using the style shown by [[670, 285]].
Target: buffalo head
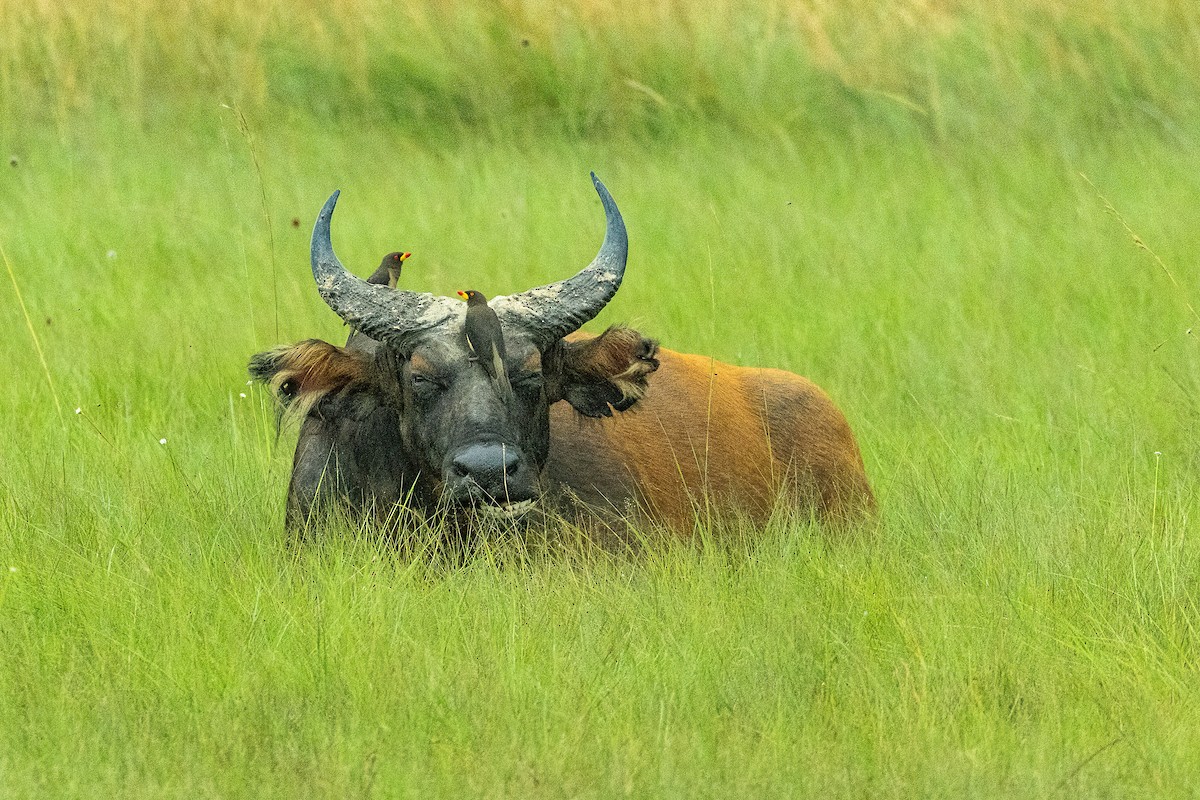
[[405, 412]]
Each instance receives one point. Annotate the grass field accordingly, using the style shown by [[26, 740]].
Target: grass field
[[975, 227]]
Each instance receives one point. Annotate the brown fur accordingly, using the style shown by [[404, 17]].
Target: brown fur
[[707, 432], [301, 374]]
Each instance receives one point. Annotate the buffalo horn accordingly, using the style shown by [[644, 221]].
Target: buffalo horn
[[550, 312], [375, 310]]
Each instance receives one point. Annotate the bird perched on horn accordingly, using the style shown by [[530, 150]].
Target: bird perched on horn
[[484, 335], [389, 269], [386, 274]]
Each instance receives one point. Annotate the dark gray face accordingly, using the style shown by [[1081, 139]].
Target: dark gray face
[[427, 427], [485, 439]]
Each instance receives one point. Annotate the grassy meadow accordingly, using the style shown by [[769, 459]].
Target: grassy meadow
[[974, 224]]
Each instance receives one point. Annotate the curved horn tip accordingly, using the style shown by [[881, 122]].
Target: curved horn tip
[[606, 199], [600, 188], [320, 246], [327, 209]]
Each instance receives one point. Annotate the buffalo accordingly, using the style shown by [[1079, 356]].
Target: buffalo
[[608, 429]]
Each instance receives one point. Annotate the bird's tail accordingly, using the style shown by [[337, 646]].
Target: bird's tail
[[498, 371]]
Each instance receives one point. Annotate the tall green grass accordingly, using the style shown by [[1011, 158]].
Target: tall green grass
[[584, 68], [961, 274]]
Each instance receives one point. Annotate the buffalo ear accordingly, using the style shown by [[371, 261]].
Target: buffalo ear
[[602, 374], [301, 374]]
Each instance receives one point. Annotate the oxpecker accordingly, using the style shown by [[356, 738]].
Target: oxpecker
[[484, 335], [389, 270]]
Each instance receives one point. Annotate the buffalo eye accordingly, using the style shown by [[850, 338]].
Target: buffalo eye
[[425, 385]]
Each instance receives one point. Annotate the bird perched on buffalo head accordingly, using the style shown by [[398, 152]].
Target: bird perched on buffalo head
[[484, 336], [389, 269]]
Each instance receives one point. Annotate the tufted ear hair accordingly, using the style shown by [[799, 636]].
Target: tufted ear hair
[[300, 375], [601, 374]]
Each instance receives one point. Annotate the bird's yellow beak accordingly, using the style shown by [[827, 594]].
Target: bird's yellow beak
[[404, 256], [463, 295]]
